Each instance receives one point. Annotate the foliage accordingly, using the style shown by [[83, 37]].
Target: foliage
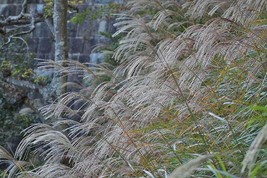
[[189, 95], [94, 14], [88, 14], [6, 65], [17, 65], [49, 6], [42, 80], [18, 71], [6, 68], [21, 68], [2, 174], [11, 123]]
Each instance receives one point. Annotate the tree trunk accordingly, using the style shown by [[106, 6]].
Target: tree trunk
[[61, 39]]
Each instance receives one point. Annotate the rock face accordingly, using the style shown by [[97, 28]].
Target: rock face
[[82, 38]]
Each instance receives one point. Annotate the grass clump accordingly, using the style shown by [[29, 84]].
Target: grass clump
[[188, 98]]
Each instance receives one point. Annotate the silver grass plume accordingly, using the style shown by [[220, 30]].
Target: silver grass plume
[[159, 67], [254, 148]]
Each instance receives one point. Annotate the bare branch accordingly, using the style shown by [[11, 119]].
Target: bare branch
[[19, 22], [18, 17], [8, 25]]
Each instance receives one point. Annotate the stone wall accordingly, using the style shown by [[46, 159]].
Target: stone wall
[[82, 38], [27, 97]]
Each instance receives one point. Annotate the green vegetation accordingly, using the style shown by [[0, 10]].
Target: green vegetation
[[11, 122], [20, 67], [17, 71], [49, 6], [94, 14], [17, 66], [185, 97], [42, 80]]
